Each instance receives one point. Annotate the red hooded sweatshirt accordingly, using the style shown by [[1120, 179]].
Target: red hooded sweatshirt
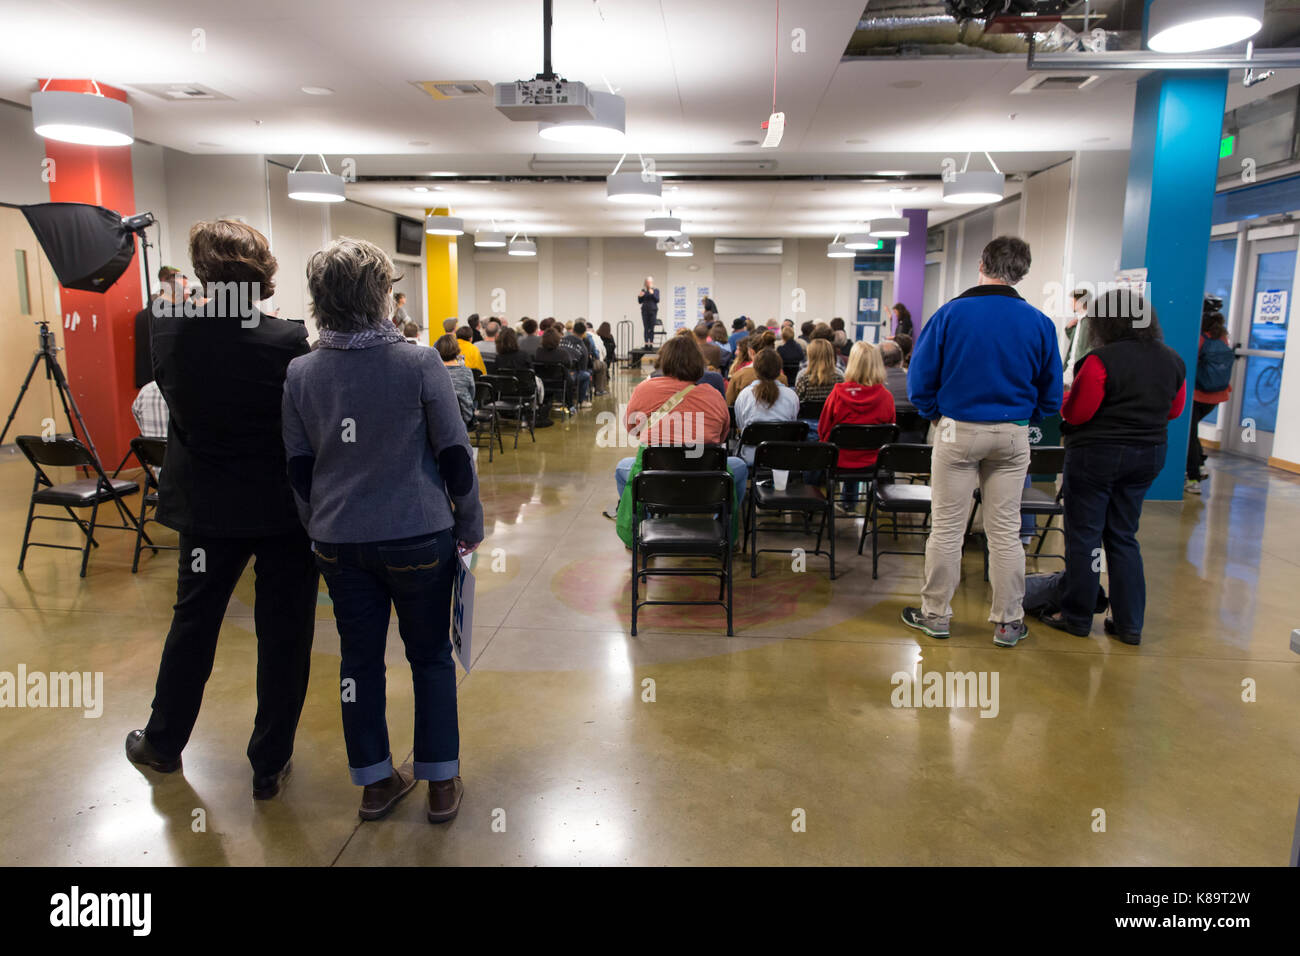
[[852, 404]]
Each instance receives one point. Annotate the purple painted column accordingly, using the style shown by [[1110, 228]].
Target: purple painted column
[[909, 269]]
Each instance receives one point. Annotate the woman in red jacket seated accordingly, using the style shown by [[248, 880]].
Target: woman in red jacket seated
[[861, 399]]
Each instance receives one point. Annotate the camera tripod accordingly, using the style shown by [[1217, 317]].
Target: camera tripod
[[45, 355]]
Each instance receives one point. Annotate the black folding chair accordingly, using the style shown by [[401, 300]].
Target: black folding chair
[[1048, 460], [150, 452], [798, 497], [755, 434], [811, 411], [527, 383], [513, 404], [894, 498], [791, 372], [912, 428], [66, 451], [703, 457], [681, 514], [858, 438], [555, 385], [486, 415]]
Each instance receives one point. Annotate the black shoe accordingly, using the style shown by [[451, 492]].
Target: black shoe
[[1058, 621], [1103, 602], [1109, 626], [264, 788], [140, 751]]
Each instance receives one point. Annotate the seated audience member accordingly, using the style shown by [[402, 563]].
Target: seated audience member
[[606, 336], [895, 375], [861, 399], [806, 330], [712, 354], [791, 352], [596, 351], [575, 343], [904, 342], [388, 511], [739, 332], [709, 377], [550, 353], [838, 336], [225, 488], [473, 357], [476, 332], [462, 379], [411, 332], [1116, 422], [817, 378], [531, 338], [740, 379], [150, 411], [488, 347], [546, 323], [511, 358], [765, 399], [673, 409]]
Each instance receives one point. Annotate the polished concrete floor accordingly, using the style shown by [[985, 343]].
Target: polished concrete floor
[[780, 745]]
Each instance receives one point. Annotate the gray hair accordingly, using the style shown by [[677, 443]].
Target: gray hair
[[492, 329], [891, 354], [1006, 258], [351, 283]]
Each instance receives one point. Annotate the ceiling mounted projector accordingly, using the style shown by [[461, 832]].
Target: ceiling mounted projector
[[88, 119], [889, 228], [489, 240], [316, 187], [838, 250], [975, 187], [1189, 26], [679, 248], [663, 226], [646, 189], [444, 226], [606, 127], [546, 98]]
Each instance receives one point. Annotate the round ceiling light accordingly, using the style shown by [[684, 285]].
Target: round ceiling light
[[606, 127], [645, 189], [444, 226], [974, 188], [316, 187], [860, 240], [489, 240], [522, 247], [88, 119], [838, 250], [1189, 26], [889, 227], [663, 226]]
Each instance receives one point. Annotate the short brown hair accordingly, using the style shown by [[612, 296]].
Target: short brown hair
[[229, 251], [680, 358], [507, 342], [351, 284], [448, 348], [551, 338]]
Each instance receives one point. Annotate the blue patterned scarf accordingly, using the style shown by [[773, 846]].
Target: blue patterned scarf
[[367, 338]]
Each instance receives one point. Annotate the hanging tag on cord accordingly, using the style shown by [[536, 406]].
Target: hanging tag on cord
[[775, 127]]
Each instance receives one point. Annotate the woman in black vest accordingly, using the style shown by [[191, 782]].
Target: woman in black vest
[[1115, 426]]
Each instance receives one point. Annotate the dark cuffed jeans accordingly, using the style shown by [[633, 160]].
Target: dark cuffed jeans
[[414, 575], [1104, 488], [284, 616], [1195, 453]]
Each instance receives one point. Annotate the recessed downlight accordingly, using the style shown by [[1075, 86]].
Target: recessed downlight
[[317, 90]]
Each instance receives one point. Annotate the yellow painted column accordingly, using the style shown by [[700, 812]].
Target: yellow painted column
[[440, 268]]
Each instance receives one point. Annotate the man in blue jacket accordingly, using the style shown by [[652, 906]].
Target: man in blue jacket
[[984, 367]]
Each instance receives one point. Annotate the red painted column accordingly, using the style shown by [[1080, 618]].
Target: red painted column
[[99, 328]]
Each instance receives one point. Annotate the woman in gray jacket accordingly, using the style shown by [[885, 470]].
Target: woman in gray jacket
[[380, 463]]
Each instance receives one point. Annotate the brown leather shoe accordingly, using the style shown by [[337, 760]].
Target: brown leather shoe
[[444, 799], [378, 799]]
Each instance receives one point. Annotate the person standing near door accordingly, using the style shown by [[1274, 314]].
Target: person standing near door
[[1214, 360], [648, 297]]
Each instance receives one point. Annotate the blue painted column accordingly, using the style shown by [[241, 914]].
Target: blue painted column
[[909, 271], [1173, 166]]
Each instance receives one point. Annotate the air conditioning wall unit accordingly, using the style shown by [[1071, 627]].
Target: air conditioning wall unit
[[749, 247]]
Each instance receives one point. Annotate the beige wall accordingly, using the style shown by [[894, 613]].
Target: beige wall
[[1046, 199], [19, 337], [497, 274]]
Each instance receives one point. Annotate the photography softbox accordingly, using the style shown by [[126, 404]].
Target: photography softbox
[[87, 245]]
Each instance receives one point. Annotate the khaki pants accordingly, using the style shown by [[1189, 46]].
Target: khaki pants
[[994, 457]]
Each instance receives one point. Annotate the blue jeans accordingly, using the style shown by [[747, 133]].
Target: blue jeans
[[415, 575], [584, 385], [739, 474], [1104, 488]]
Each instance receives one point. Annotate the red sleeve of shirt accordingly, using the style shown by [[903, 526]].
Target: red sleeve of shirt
[[1180, 400], [1085, 395]]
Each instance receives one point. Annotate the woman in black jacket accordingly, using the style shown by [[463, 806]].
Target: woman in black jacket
[[509, 357], [606, 336], [1115, 426]]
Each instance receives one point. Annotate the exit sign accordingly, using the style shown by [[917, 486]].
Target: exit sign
[[1227, 145]]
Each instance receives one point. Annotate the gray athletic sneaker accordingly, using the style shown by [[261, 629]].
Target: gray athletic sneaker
[[929, 626], [1010, 634]]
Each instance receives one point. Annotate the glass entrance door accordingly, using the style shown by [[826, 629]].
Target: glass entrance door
[[1259, 336]]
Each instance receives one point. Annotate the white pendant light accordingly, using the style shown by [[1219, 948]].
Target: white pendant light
[[838, 250], [521, 247], [859, 240], [1189, 26], [315, 187], [975, 187], [663, 226], [891, 227], [604, 129], [484, 239], [444, 226], [634, 188], [679, 248], [88, 119]]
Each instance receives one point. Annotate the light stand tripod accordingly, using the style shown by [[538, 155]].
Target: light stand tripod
[[45, 355]]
